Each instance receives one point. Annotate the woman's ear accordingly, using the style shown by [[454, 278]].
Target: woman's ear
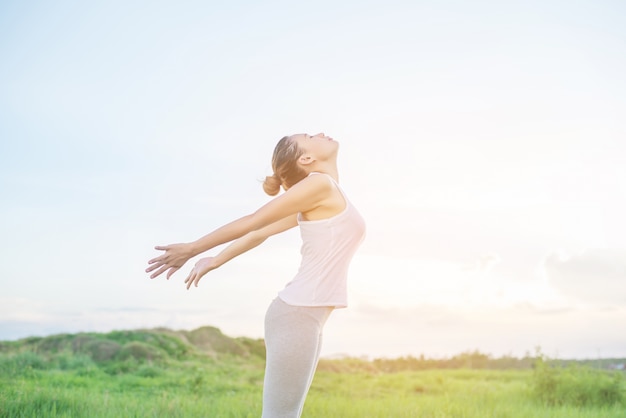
[[306, 159]]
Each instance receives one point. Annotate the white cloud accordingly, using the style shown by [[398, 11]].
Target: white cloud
[[384, 282], [443, 331], [595, 275]]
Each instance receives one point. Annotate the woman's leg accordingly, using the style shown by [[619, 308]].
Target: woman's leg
[[293, 336]]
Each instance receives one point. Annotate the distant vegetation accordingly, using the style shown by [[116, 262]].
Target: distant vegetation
[[204, 373], [142, 345]]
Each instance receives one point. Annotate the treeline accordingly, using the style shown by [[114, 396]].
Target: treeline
[[466, 360], [163, 345]]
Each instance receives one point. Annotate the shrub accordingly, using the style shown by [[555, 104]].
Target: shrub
[[41, 404], [102, 350], [81, 341], [148, 371], [121, 367], [170, 344], [211, 340], [256, 347], [139, 351], [53, 344], [21, 363], [576, 386], [68, 361]]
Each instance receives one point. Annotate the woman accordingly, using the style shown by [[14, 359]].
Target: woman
[[331, 228]]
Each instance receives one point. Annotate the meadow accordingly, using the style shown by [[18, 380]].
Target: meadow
[[203, 373]]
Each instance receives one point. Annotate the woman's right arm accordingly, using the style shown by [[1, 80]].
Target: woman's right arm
[[238, 247], [302, 197]]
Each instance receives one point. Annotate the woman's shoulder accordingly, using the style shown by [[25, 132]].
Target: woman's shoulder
[[318, 184], [313, 185]]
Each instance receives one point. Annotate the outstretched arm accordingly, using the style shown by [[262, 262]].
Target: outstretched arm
[[239, 246], [302, 197]]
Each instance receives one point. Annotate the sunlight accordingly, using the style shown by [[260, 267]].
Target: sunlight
[[406, 283]]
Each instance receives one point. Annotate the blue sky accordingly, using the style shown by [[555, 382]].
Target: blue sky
[[483, 142]]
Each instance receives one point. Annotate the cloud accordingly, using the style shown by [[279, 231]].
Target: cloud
[[595, 275], [437, 330]]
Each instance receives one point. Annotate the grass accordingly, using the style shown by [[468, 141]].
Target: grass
[[439, 393], [158, 377]]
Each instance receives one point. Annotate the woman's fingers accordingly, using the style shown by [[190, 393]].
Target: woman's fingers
[[174, 258], [191, 278], [159, 271], [172, 271], [157, 262], [196, 280], [155, 265]]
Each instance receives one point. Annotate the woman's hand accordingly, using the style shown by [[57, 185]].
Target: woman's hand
[[175, 256], [202, 267]]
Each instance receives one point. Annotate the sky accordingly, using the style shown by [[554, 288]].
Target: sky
[[483, 142]]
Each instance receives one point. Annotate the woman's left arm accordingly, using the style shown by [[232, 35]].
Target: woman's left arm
[[302, 197], [238, 247]]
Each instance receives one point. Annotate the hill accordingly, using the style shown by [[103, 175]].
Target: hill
[[166, 345], [159, 344]]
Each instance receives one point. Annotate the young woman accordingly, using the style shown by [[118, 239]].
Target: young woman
[[331, 229]]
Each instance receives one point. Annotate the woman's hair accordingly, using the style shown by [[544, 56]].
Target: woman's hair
[[287, 171]]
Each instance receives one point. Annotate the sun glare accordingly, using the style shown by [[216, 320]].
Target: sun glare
[[406, 283]]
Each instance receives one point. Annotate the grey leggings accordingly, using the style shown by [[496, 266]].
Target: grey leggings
[[293, 339]]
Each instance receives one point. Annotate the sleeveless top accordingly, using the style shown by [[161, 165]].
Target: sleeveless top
[[327, 249]]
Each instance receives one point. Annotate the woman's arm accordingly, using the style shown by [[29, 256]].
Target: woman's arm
[[302, 197], [238, 247]]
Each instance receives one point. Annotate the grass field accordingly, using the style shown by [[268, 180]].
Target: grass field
[[163, 375]]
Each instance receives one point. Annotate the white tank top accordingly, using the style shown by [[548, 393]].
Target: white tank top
[[327, 249]]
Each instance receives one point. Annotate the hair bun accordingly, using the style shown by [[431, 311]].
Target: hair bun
[[271, 185]]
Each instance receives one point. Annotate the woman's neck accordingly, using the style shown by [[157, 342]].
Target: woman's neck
[[329, 169]]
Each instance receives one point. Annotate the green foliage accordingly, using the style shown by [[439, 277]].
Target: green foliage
[[42, 404], [21, 363], [102, 350], [211, 339], [203, 373], [144, 345], [149, 370], [68, 361], [139, 351], [172, 345], [576, 385], [255, 347], [466, 360], [52, 344]]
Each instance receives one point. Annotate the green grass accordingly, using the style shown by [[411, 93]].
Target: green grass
[[439, 393], [154, 376]]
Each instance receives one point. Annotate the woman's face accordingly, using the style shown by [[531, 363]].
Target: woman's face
[[319, 146]]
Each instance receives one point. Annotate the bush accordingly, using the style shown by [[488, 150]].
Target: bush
[[68, 361], [172, 345], [102, 350], [148, 371], [255, 347], [121, 367], [576, 386], [139, 351], [212, 341], [21, 363], [40, 404], [53, 344]]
